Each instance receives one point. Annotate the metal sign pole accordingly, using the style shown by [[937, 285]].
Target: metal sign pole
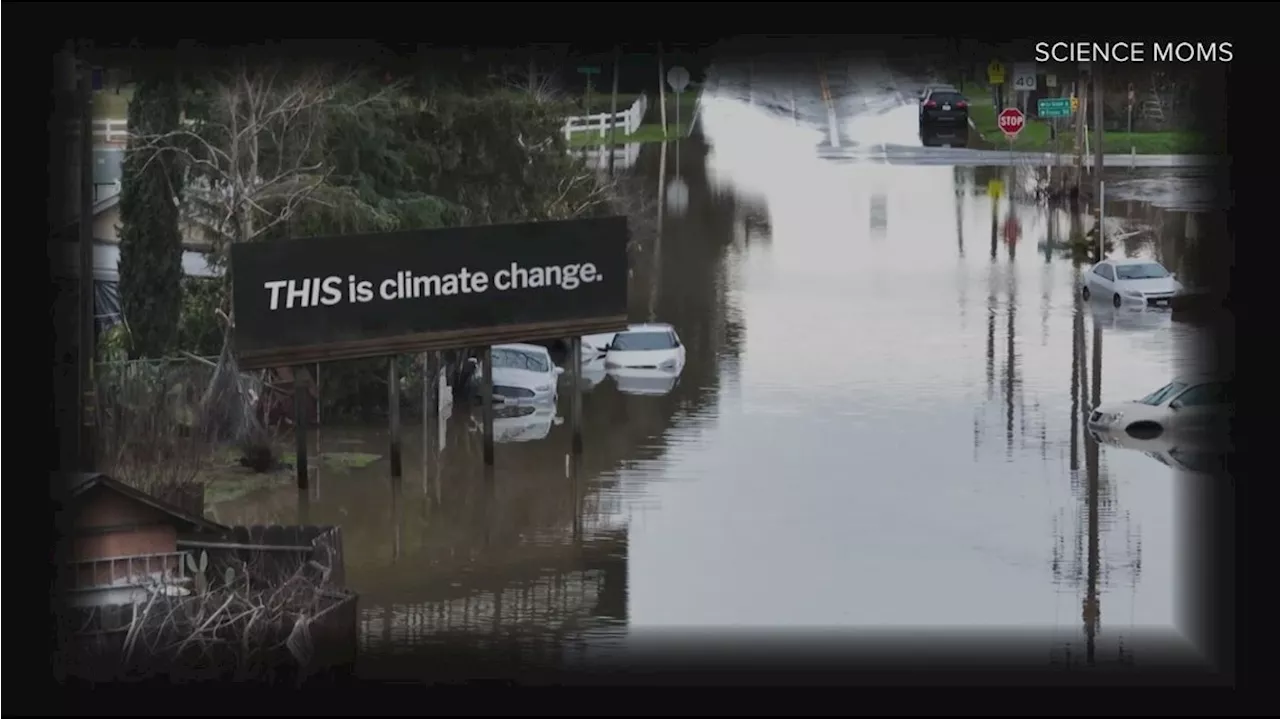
[[1102, 219]]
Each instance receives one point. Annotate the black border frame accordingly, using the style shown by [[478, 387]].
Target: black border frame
[[1218, 600]]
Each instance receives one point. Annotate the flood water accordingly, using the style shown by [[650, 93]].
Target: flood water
[[879, 424]]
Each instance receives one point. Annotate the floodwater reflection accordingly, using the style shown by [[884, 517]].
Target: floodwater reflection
[[869, 429]]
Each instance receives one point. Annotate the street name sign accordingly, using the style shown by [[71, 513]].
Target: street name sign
[[1053, 107]]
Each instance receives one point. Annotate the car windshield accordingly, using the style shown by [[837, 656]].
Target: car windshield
[[1144, 271], [517, 359], [641, 341], [1163, 394], [947, 98]]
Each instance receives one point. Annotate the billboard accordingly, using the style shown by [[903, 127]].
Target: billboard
[[320, 299]]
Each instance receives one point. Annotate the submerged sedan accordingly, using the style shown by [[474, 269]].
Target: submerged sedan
[[522, 374], [1144, 282], [1201, 404], [646, 359]]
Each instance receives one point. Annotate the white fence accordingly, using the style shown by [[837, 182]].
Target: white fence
[[628, 120], [111, 132]]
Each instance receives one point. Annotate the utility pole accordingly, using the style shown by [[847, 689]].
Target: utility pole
[[662, 91], [87, 352], [613, 106], [533, 73], [1081, 108], [1098, 157], [1098, 128]]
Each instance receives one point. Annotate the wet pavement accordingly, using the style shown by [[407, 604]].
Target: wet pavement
[[880, 422]]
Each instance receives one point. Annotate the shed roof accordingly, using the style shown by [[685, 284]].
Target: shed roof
[[75, 485]]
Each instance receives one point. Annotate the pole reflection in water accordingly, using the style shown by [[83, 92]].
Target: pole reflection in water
[[1010, 360], [397, 503], [488, 499], [304, 507], [1011, 239], [961, 192], [991, 336], [995, 226], [1092, 610], [1077, 355], [430, 401], [573, 472], [1097, 364]]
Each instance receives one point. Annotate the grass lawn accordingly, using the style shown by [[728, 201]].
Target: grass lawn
[[650, 129], [1035, 134]]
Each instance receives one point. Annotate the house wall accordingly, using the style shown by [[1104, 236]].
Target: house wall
[[143, 540], [104, 225], [106, 228]]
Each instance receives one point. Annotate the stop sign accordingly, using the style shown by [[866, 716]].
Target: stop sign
[[1011, 121]]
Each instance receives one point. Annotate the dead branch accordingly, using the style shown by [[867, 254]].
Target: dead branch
[[252, 624]]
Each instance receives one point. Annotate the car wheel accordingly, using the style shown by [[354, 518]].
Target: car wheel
[[1084, 292], [1115, 300]]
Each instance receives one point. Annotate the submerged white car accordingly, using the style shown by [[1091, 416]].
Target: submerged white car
[[522, 374], [645, 359], [1144, 282], [1191, 404], [647, 346]]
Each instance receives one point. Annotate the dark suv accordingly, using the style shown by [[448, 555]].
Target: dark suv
[[944, 105]]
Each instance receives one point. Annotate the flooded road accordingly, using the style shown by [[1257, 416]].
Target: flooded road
[[879, 423]]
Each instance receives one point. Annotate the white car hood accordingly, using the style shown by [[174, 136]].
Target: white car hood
[[1132, 410], [511, 377]]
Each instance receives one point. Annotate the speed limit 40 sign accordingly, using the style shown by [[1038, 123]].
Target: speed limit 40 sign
[[1024, 76]]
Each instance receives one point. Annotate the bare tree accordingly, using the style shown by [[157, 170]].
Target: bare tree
[[254, 160], [537, 82]]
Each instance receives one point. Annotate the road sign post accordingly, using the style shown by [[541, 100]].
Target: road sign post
[[589, 70], [1011, 121], [678, 79], [995, 78]]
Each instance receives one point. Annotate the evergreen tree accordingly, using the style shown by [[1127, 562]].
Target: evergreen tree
[[150, 238]]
